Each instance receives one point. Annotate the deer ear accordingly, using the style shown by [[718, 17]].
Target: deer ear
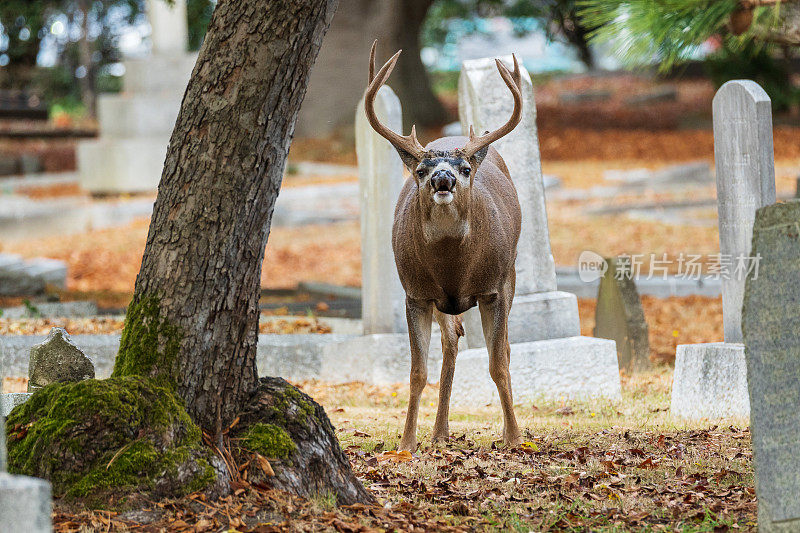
[[480, 155], [409, 160]]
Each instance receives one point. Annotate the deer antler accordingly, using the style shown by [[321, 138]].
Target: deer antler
[[407, 143], [514, 83]]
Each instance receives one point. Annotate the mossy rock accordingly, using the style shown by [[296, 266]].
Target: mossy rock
[[103, 441]]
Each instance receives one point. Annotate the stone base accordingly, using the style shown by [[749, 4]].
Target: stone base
[[25, 504], [337, 358], [10, 400], [573, 367], [380, 359], [533, 317], [138, 115], [710, 381], [173, 73], [122, 165]]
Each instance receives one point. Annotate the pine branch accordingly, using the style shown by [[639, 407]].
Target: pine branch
[[671, 31]]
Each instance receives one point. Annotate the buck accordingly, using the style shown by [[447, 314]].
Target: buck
[[455, 233]]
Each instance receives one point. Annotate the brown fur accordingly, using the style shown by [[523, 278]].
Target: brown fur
[[455, 242], [456, 271]]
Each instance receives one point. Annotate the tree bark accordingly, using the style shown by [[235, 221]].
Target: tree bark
[[194, 316], [411, 81], [86, 83]]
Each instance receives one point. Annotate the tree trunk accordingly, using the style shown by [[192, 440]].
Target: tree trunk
[[411, 81], [576, 34], [194, 316], [88, 96]]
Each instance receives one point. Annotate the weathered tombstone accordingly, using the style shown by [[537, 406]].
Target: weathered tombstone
[[770, 322], [380, 178], [710, 380], [540, 310], [619, 316], [549, 358], [56, 360], [25, 502], [135, 125]]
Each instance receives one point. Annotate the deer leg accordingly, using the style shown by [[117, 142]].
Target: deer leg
[[452, 329], [494, 319], [419, 317]]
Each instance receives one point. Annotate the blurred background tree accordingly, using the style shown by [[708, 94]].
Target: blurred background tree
[[755, 39], [83, 36]]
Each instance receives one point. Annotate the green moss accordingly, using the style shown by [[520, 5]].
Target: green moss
[[99, 436], [149, 344], [269, 440], [281, 411]]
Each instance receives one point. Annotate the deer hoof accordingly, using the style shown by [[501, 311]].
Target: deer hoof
[[407, 446]]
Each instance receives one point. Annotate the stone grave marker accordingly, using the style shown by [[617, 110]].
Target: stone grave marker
[[549, 358], [380, 178], [619, 316], [540, 310], [56, 360], [710, 380], [25, 502], [136, 124], [770, 321]]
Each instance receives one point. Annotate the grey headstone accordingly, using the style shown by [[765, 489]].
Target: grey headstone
[[380, 178], [771, 320], [9, 400], [485, 102], [710, 381], [619, 316], [744, 159], [52, 310], [56, 360], [25, 504], [660, 94]]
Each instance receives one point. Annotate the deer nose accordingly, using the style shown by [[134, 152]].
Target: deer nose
[[443, 180]]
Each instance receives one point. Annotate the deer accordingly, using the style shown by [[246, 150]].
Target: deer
[[454, 237]]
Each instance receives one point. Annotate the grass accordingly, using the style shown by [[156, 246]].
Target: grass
[[608, 466], [599, 465]]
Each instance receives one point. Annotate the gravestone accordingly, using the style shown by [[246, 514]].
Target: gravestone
[[25, 502], [380, 178], [540, 310], [549, 358], [136, 124], [710, 379], [770, 321], [57, 360], [619, 316]]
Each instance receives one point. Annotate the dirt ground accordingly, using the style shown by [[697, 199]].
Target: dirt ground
[[600, 466]]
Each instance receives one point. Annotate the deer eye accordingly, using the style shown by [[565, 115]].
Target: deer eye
[[465, 171], [421, 173]]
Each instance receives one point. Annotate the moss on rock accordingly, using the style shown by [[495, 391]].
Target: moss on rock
[[97, 439], [269, 440], [147, 338]]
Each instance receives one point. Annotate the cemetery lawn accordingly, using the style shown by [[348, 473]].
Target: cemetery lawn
[[600, 466]]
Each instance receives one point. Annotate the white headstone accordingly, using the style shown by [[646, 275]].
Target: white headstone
[[539, 310], [380, 178], [485, 102], [710, 380], [744, 159], [168, 25]]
